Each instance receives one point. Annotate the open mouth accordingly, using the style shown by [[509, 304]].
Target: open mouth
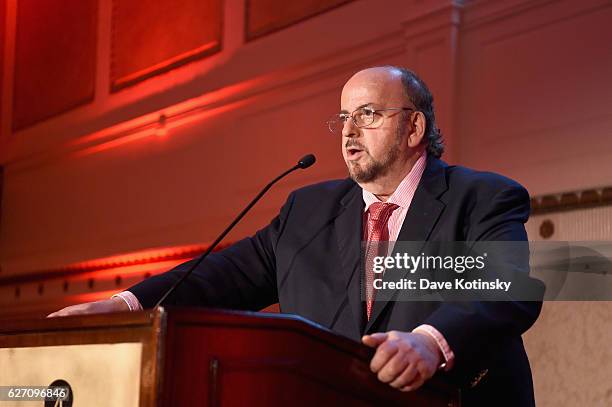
[[353, 153]]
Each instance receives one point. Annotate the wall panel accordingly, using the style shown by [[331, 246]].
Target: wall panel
[[266, 16], [55, 58], [535, 83], [152, 36]]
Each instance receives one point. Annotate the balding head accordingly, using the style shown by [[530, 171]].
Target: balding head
[[375, 84], [404, 88]]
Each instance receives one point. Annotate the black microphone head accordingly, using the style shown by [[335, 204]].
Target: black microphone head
[[306, 161]]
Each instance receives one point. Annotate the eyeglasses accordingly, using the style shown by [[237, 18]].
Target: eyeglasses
[[362, 117]]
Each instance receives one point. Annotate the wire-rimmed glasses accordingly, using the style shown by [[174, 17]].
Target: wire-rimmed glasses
[[362, 117]]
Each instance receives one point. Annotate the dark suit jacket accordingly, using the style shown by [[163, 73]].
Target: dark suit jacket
[[308, 259]]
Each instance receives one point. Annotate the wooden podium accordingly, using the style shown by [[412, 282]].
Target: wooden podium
[[199, 357]]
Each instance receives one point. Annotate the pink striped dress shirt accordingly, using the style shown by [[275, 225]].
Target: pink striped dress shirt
[[402, 197]]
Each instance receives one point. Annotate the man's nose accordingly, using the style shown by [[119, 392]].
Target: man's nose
[[349, 129]]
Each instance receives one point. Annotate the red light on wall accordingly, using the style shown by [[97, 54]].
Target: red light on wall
[[161, 130], [161, 123]]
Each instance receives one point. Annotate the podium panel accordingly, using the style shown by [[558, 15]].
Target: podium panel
[[109, 374], [187, 357]]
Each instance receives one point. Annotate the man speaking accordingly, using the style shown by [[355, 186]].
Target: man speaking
[[309, 259]]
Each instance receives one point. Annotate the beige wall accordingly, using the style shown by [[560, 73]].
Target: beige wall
[[569, 345]]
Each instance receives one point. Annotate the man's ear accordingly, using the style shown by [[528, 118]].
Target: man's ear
[[417, 127]]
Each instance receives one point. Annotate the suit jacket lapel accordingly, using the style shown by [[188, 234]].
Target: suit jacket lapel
[[348, 232], [424, 211]]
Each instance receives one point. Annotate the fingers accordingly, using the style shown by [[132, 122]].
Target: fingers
[[394, 367], [402, 359], [71, 310], [97, 307], [61, 313], [414, 385], [409, 376], [384, 353], [374, 340], [402, 372]]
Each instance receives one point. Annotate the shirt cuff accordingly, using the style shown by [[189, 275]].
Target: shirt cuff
[[447, 352], [130, 299]]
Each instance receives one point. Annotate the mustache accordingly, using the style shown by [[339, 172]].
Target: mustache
[[354, 144]]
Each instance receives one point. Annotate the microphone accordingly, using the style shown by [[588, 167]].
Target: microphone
[[306, 161], [303, 163]]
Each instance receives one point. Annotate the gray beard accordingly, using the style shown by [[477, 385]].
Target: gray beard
[[372, 170], [375, 169]]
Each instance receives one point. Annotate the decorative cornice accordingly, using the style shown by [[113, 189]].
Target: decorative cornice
[[107, 263], [568, 201]]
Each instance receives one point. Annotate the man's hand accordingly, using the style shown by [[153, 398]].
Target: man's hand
[[97, 307], [405, 360]]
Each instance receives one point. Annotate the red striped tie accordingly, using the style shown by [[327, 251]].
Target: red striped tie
[[377, 239]]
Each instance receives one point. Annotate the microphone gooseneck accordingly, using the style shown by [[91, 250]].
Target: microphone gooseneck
[[303, 163]]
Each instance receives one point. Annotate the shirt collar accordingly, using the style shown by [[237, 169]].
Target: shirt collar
[[402, 196]]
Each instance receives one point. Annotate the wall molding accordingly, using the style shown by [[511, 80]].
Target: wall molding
[[568, 201], [74, 271], [203, 50], [250, 34]]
